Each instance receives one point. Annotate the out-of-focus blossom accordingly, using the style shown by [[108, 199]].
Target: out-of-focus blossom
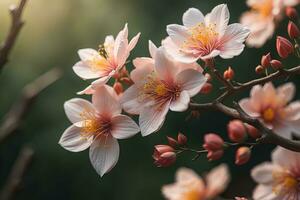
[[291, 13], [236, 131], [160, 84], [242, 155], [280, 178], [293, 30], [240, 198], [204, 37], [271, 106], [164, 155], [190, 186], [284, 47], [262, 19], [107, 61], [97, 125]]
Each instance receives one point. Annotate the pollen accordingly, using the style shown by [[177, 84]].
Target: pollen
[[192, 195], [269, 115], [90, 125], [264, 8], [284, 182], [161, 90], [97, 63]]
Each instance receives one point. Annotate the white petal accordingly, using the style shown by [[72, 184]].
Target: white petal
[[220, 17], [285, 158], [72, 140], [104, 153], [287, 91], [263, 173], [264, 192], [164, 66], [181, 103], [293, 111], [192, 17], [144, 66], [130, 100], [74, 107], [84, 71], [123, 127], [121, 53], [152, 49], [87, 54], [177, 33], [212, 54], [133, 42]]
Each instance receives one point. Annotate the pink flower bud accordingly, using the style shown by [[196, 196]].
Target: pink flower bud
[[242, 155], [236, 131], [259, 69], [276, 64], [164, 155], [215, 155], [208, 76], [291, 13], [172, 142], [228, 74], [252, 131], [213, 142], [182, 139], [118, 87], [293, 30], [265, 60], [206, 89], [284, 47]]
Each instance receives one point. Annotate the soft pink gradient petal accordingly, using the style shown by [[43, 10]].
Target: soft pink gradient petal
[[212, 54], [131, 101], [87, 54], [181, 103], [85, 72], [292, 111], [123, 127], [152, 48], [284, 158], [264, 192], [164, 66], [143, 67], [247, 106], [263, 173], [74, 107], [269, 93], [287, 92], [133, 41], [88, 90], [192, 17], [177, 33], [219, 16]]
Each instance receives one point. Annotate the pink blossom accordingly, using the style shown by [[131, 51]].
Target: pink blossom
[[97, 125], [272, 106], [189, 185], [278, 179], [107, 61], [160, 84], [204, 37]]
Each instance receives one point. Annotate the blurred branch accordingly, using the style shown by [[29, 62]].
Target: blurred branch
[[18, 170], [16, 25], [12, 120]]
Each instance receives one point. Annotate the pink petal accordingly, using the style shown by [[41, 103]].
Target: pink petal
[[104, 153], [131, 101], [269, 93], [192, 17], [123, 127], [152, 49], [212, 54], [102, 81], [87, 54], [264, 192], [177, 33], [246, 105], [88, 90], [285, 158], [74, 107], [164, 67], [181, 103], [219, 16], [133, 42], [263, 173], [84, 71], [185, 176], [292, 111], [121, 53], [144, 66], [287, 92]]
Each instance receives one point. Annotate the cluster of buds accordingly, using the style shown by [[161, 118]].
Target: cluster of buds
[[121, 78], [165, 154], [266, 62], [214, 144]]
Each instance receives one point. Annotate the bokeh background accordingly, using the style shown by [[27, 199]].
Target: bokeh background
[[53, 33]]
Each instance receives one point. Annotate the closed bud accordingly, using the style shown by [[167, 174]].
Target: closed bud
[[265, 60], [259, 69], [182, 139], [206, 89], [213, 142], [172, 142], [164, 155], [276, 64], [208, 77], [228, 74], [293, 30], [291, 13], [252, 131], [215, 155], [118, 87], [284, 47], [236, 131], [127, 80], [242, 155]]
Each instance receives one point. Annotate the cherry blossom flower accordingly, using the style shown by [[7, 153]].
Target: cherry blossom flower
[[205, 37], [280, 178], [262, 19], [189, 186], [97, 125], [160, 84], [272, 107], [107, 61]]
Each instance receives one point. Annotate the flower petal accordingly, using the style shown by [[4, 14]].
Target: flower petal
[[164, 67], [87, 54], [133, 42], [152, 49], [84, 71], [177, 33], [263, 173], [220, 17], [144, 66], [285, 158], [246, 105], [74, 107], [287, 92], [123, 127], [104, 153], [130, 100], [192, 17], [264, 192], [181, 103]]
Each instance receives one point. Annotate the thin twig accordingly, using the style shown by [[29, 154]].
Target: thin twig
[[12, 120], [16, 25], [18, 170]]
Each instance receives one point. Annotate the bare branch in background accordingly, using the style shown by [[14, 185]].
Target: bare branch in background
[[12, 120], [16, 25], [18, 170]]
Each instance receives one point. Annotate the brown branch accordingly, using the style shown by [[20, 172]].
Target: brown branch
[[16, 25], [12, 120], [15, 177]]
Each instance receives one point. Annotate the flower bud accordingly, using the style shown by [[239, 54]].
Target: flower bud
[[259, 69], [276, 64], [172, 142], [182, 139], [206, 89], [213, 142], [242, 155], [118, 87], [291, 13], [240, 198], [164, 155], [208, 76], [284, 47], [236, 131], [228, 74], [265, 60], [215, 155], [252, 131], [293, 30]]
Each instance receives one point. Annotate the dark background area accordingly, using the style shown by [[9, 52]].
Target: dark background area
[[53, 33]]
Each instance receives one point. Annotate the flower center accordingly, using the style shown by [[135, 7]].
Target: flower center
[[192, 195], [264, 8], [284, 182], [269, 114]]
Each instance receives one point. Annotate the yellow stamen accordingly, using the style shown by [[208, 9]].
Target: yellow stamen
[[269, 114], [98, 63], [283, 182], [161, 90], [91, 125]]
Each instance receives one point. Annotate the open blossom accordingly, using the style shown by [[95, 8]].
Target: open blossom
[[204, 37], [159, 85], [272, 107], [107, 61], [190, 186], [279, 179], [262, 19], [97, 125]]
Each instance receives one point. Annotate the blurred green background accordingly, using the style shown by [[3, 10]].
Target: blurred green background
[[53, 33]]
